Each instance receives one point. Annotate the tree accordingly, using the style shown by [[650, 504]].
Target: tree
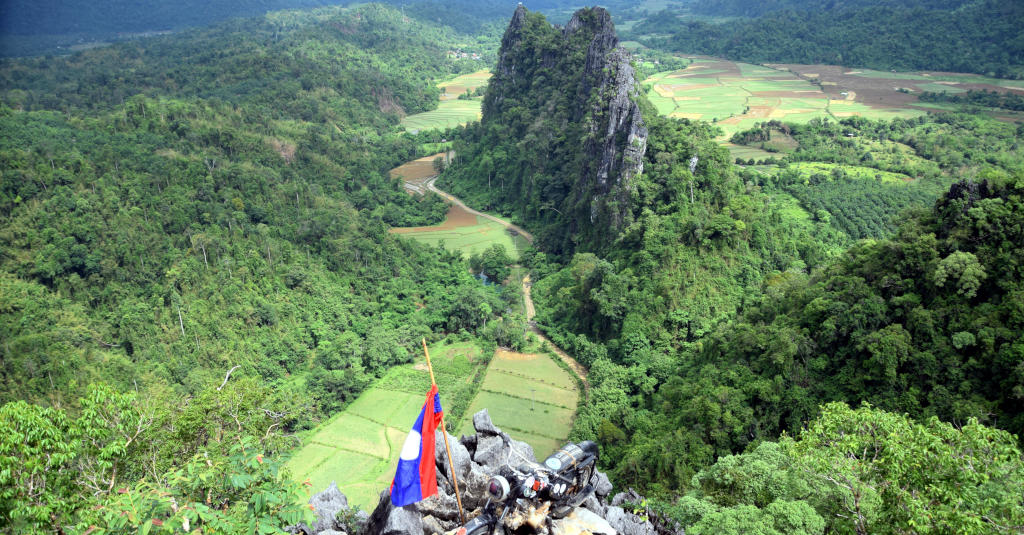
[[880, 472], [37, 488]]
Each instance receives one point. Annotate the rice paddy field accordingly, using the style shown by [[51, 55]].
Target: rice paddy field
[[466, 232], [450, 110], [358, 448], [735, 96], [529, 397]]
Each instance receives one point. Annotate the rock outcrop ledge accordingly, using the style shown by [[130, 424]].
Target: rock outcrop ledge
[[477, 458]]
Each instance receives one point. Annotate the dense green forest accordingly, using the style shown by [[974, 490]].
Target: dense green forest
[[194, 260], [719, 318], [980, 37]]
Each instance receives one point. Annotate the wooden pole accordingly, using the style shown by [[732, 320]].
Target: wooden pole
[[444, 433]]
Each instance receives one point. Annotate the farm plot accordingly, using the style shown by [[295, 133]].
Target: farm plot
[[529, 397], [736, 96], [416, 173], [892, 94], [451, 111], [358, 448], [466, 232], [451, 89], [449, 114], [807, 169]]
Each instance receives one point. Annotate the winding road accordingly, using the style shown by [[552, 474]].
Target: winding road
[[455, 200]]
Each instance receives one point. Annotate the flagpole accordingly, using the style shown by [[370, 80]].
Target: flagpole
[[444, 433]]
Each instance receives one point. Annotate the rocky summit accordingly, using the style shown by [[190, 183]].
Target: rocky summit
[[562, 123], [478, 458]]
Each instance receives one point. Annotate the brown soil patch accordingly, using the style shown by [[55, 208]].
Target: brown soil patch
[[452, 92], [688, 87], [457, 217], [878, 92], [754, 112], [512, 355], [416, 169]]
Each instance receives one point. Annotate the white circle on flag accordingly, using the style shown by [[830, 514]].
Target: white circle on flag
[[411, 448]]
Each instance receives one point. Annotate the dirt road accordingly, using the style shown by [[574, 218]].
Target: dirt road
[[453, 199]]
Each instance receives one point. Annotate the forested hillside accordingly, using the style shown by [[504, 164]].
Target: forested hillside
[[198, 224], [717, 317], [980, 37]]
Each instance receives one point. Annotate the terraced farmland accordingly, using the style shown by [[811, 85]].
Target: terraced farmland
[[359, 447], [530, 397], [451, 111]]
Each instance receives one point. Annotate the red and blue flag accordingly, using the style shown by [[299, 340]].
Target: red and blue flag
[[416, 477]]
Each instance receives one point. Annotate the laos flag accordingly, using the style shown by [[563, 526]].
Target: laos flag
[[416, 477]]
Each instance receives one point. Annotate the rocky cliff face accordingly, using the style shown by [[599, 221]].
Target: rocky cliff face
[[616, 136], [567, 98], [477, 458]]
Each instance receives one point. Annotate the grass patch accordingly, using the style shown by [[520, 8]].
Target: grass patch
[[542, 367], [745, 153], [504, 383], [434, 148], [387, 407]]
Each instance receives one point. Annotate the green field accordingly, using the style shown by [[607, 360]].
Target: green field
[[449, 114], [528, 396], [737, 96], [358, 448], [848, 108], [745, 152], [470, 238], [451, 111], [807, 169]]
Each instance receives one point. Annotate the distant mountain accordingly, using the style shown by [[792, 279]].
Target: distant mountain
[[25, 17], [979, 37], [745, 8]]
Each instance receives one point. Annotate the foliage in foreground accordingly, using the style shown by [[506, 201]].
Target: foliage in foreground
[[107, 468], [859, 471]]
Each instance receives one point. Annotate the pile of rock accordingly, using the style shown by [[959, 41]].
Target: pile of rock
[[477, 459]]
